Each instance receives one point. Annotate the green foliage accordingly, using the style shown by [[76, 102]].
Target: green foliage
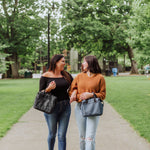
[[143, 60], [107, 26], [20, 28], [84, 24], [96, 25], [23, 28], [22, 72], [139, 31], [3, 63], [20, 25]]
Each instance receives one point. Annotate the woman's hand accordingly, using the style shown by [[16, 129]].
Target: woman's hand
[[86, 95], [51, 86], [73, 96]]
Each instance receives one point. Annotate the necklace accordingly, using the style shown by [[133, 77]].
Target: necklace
[[89, 74]]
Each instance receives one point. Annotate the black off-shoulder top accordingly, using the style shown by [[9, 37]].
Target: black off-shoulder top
[[61, 89]]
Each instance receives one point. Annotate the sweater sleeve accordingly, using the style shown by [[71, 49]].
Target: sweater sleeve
[[42, 83], [102, 93], [73, 85]]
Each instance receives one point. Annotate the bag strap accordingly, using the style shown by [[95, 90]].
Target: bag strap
[[94, 95]]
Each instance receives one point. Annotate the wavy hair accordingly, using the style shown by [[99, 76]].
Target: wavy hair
[[52, 67], [93, 65]]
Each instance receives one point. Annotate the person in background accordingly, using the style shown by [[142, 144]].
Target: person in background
[[84, 86], [57, 81]]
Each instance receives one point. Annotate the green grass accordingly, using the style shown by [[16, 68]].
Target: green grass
[[130, 96], [16, 97]]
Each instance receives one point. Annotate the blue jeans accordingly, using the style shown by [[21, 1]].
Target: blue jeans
[[60, 117], [87, 129]]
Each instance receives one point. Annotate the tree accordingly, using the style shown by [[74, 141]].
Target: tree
[[20, 28], [139, 31], [82, 27], [98, 25], [123, 12], [3, 63]]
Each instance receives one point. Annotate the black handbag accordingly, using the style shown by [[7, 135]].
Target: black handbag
[[45, 102], [92, 107]]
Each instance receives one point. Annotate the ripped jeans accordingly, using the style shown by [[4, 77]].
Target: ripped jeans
[[87, 129]]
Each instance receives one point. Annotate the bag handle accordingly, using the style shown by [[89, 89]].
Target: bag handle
[[94, 95]]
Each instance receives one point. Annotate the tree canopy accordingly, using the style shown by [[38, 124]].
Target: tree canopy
[[102, 26], [22, 23], [107, 27]]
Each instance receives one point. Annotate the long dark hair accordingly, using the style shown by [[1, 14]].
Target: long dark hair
[[52, 67], [53, 62], [93, 65]]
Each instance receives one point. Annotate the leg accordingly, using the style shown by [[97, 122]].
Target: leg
[[91, 124], [63, 122], [51, 120], [81, 123]]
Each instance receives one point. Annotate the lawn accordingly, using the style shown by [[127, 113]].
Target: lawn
[[16, 97], [130, 96]]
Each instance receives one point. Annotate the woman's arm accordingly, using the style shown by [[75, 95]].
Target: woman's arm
[[73, 90], [73, 96], [102, 93], [42, 84], [86, 95], [51, 86]]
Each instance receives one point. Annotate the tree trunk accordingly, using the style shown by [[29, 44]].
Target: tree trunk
[[14, 65], [8, 72], [35, 66], [124, 65], [134, 69]]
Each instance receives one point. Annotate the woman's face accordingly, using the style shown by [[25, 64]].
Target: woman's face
[[85, 65], [60, 64]]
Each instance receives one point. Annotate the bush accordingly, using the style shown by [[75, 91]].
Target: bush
[[23, 71], [141, 71]]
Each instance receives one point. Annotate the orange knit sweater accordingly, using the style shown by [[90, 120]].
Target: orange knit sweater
[[83, 83]]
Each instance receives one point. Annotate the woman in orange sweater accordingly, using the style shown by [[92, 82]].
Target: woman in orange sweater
[[83, 86]]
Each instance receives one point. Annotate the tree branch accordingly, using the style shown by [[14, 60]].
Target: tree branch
[[5, 8], [21, 40], [15, 5]]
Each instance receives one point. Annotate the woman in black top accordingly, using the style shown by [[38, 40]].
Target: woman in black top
[[57, 81]]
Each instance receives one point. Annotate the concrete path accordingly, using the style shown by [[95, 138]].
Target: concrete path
[[113, 133]]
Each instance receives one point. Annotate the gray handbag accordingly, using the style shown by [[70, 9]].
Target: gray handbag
[[92, 107], [45, 102]]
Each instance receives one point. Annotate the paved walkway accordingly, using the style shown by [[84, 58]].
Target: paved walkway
[[113, 133]]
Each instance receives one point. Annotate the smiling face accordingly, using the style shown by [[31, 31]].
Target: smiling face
[[60, 64], [85, 65]]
